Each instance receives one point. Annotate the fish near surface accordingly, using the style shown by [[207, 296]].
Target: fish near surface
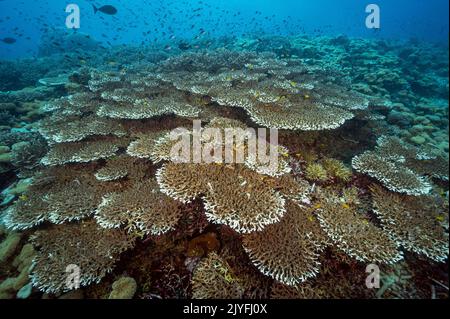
[[9, 40], [106, 9]]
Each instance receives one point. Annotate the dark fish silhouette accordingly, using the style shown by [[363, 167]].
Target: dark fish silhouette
[[107, 9], [184, 46], [9, 40]]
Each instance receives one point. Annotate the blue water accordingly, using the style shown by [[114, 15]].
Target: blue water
[[156, 21]]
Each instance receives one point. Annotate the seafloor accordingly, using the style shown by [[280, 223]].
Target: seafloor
[[87, 181]]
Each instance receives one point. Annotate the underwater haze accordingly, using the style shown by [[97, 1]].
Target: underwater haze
[[148, 21], [177, 149]]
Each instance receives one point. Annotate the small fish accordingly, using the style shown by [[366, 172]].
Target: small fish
[[106, 9], [184, 46], [9, 40]]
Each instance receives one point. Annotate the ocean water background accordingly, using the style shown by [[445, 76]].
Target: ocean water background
[[144, 22]]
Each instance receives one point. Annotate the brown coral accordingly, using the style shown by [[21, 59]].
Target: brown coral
[[413, 222], [233, 195], [146, 108], [316, 172], [56, 195], [291, 188], [142, 209], [143, 146], [119, 167], [60, 129], [82, 152], [354, 234], [84, 246], [214, 279], [301, 116], [288, 251], [392, 174], [401, 167], [276, 102]]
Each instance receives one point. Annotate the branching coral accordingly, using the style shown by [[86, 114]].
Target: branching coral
[[350, 100], [214, 279], [56, 195], [275, 165], [142, 209], [219, 142], [143, 146], [162, 149], [144, 109], [393, 174], [277, 102], [339, 277], [350, 196], [81, 152], [397, 165], [305, 116], [223, 122], [27, 154], [241, 200], [435, 167], [291, 188], [183, 182], [233, 195], [354, 234], [285, 222], [85, 245], [288, 251], [425, 161], [115, 168], [413, 222], [59, 129], [392, 147]]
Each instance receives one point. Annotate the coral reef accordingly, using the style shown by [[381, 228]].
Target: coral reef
[[413, 222], [399, 166], [289, 250], [123, 288], [86, 245], [337, 170], [234, 196], [81, 152], [140, 209], [213, 279], [57, 195], [316, 172], [89, 176], [393, 174], [354, 234], [9, 246], [60, 129]]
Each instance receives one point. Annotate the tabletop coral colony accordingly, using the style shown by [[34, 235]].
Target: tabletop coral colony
[[96, 205]]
